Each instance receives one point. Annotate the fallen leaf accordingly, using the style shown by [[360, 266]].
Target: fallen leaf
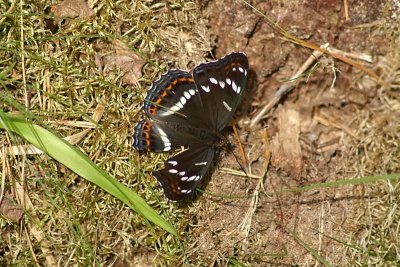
[[125, 59], [72, 9], [10, 210]]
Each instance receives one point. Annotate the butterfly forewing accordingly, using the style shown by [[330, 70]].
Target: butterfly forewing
[[175, 98], [221, 84]]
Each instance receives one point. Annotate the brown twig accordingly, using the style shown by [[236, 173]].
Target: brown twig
[[246, 163], [346, 10], [288, 86]]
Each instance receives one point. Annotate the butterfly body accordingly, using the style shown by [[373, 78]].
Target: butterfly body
[[190, 110]]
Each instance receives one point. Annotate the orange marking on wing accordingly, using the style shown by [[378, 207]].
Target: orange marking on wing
[[233, 65], [152, 110], [184, 79], [175, 190]]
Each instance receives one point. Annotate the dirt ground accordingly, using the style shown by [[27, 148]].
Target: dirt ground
[[307, 136]]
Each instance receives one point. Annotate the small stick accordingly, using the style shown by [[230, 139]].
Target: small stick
[[246, 163], [346, 10]]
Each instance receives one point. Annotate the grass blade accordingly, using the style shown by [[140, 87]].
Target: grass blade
[[78, 162]]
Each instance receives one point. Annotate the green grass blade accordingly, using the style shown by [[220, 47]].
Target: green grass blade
[[312, 251], [366, 179], [78, 162]]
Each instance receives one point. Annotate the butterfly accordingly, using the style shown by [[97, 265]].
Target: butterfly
[[190, 110]]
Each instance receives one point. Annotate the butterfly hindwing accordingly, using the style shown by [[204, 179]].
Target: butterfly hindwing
[[160, 136], [184, 171]]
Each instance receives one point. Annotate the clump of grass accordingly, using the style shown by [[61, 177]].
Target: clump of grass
[[377, 152]]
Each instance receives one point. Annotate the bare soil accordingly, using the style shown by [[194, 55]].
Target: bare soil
[[307, 135]]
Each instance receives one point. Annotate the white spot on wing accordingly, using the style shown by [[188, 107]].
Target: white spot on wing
[[182, 173], [241, 69], [205, 88], [234, 86], [172, 162], [187, 95], [173, 109], [245, 72], [185, 191], [183, 100], [184, 178], [179, 105], [200, 163], [228, 81], [172, 171], [164, 139], [213, 80], [192, 178], [227, 106], [222, 84]]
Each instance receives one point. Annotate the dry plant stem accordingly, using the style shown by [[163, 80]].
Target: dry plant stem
[[239, 173], [245, 225], [246, 162], [328, 120], [31, 247], [3, 174], [288, 86], [346, 10], [22, 55], [26, 203], [359, 56]]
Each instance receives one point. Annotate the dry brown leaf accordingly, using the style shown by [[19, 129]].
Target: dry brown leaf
[[125, 59], [285, 147], [72, 9], [10, 210]]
